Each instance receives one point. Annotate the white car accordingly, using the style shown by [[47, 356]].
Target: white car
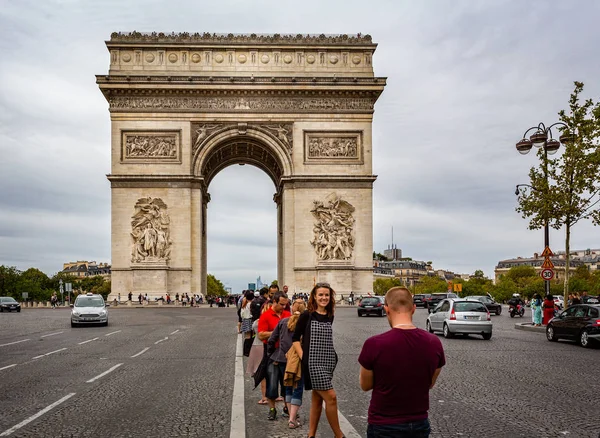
[[89, 309], [460, 316], [559, 301]]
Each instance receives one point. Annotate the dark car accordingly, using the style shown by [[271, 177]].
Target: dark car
[[9, 304], [580, 323], [371, 306], [492, 306], [434, 299], [419, 300]]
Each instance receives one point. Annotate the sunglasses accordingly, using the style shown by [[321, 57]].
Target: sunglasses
[[323, 285]]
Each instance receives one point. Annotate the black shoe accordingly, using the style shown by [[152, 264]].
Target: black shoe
[[272, 414], [286, 413]]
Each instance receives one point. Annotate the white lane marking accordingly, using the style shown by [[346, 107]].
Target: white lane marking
[[51, 334], [347, 428], [174, 332], [16, 342], [104, 373], [160, 340], [112, 333], [39, 414], [85, 342], [48, 354], [238, 415], [8, 366], [141, 352]]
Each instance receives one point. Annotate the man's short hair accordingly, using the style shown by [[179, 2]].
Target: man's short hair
[[399, 299], [274, 286], [264, 291], [278, 295]]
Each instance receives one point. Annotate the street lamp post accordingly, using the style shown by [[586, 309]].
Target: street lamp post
[[542, 137]]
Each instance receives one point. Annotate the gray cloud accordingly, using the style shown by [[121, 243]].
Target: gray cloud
[[465, 79]]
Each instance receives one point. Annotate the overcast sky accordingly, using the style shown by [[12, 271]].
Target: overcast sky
[[465, 80]]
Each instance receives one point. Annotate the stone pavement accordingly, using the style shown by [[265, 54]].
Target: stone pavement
[[175, 369]]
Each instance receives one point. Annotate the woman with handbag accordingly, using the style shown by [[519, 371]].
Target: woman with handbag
[[313, 342]]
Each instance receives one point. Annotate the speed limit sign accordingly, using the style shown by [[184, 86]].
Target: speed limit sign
[[547, 274]]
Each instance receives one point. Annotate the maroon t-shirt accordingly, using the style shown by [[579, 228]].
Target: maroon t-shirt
[[403, 363]]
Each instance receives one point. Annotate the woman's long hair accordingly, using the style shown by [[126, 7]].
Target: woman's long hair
[[298, 308], [312, 299], [247, 298]]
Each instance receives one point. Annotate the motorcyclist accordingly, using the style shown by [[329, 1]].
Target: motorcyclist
[[516, 301]]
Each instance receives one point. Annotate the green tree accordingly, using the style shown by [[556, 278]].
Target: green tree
[[9, 280], [382, 285], [214, 287], [567, 189], [380, 257], [430, 284], [35, 283]]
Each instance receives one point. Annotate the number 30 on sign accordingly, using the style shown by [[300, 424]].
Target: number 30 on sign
[[547, 274]]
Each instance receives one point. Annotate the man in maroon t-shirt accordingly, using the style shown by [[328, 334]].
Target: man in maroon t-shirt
[[400, 366]]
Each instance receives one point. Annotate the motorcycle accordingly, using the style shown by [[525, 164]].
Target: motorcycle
[[519, 309]]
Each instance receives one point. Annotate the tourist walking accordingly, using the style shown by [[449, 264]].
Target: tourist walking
[[283, 333], [313, 341], [254, 359], [548, 308], [246, 315], [400, 366], [266, 325], [536, 309]]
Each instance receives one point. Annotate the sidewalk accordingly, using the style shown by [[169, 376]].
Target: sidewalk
[[529, 327]]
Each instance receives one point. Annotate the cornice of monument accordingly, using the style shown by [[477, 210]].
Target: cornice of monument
[[240, 39], [241, 80]]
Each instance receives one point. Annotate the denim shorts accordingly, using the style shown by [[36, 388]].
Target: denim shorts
[[274, 379], [415, 429]]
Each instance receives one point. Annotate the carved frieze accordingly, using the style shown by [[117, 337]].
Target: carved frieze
[[238, 103], [150, 232], [150, 146], [333, 229], [217, 38], [283, 132], [333, 147]]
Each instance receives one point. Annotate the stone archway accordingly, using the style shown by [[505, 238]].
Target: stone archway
[[183, 107]]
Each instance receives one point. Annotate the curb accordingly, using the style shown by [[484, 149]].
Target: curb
[[529, 328]]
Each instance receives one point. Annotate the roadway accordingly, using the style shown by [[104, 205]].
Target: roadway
[[169, 372]]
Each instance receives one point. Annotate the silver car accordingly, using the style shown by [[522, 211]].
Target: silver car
[[89, 309], [457, 316]]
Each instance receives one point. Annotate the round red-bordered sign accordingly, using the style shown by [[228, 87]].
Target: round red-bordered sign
[[547, 274]]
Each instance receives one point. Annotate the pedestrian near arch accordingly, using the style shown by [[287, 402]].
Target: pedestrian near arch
[[400, 366], [313, 342]]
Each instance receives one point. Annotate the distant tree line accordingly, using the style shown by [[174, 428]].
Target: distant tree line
[[523, 280], [40, 287]]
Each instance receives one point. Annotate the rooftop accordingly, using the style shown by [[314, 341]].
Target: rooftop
[[238, 38]]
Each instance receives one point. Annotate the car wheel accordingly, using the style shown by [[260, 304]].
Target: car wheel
[[73, 324], [499, 310], [487, 336], [359, 314], [18, 310], [1, 309], [447, 332], [550, 335], [428, 327], [584, 339], [382, 313]]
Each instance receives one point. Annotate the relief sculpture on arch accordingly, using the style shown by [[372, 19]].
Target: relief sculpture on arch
[[333, 229], [150, 233]]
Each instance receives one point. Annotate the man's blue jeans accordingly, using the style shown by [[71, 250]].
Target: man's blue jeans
[[274, 379], [416, 429]]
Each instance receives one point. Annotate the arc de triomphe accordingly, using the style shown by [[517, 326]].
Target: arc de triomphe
[[185, 106]]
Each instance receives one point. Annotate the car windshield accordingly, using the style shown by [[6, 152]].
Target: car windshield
[[89, 302], [418, 296], [469, 307], [7, 300], [370, 301]]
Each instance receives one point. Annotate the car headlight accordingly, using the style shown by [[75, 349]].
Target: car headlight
[[103, 312], [74, 313]]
